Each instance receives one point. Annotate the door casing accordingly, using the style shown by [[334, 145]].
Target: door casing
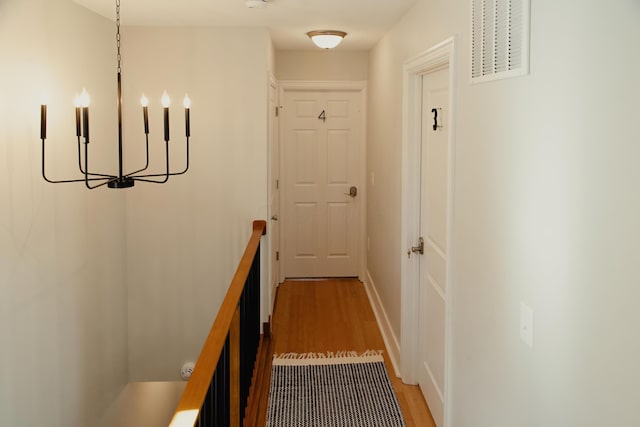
[[436, 58], [273, 191]]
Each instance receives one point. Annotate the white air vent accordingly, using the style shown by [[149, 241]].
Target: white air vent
[[499, 39]]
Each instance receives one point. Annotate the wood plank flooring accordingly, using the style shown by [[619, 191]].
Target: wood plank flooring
[[335, 315]]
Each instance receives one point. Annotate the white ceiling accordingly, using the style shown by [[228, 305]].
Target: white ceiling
[[288, 21]]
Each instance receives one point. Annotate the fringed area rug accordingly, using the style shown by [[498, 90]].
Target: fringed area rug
[[343, 389]]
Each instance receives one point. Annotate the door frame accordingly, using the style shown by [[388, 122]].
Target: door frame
[[335, 86], [433, 59], [273, 174]]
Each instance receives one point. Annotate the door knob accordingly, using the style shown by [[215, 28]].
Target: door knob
[[353, 191], [274, 218]]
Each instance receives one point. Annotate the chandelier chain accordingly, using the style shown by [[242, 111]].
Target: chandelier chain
[[118, 35]]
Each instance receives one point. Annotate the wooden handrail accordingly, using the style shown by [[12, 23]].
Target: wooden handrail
[[195, 392]]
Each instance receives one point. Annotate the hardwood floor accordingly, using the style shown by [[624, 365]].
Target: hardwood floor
[[335, 315]]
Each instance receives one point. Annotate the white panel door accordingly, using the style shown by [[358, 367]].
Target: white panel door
[[434, 215], [322, 146], [273, 231]]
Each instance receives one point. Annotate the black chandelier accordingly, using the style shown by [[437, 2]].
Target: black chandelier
[[121, 180]]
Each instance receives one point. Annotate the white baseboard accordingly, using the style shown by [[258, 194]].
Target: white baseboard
[[390, 339]]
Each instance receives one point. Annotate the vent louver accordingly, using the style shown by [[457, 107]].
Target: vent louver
[[499, 39]]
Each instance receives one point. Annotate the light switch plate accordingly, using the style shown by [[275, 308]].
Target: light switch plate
[[526, 324]]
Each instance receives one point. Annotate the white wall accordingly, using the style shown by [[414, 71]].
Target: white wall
[[185, 238], [63, 302], [321, 65], [547, 208]]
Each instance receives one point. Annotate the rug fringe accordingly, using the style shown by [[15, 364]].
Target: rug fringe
[[328, 357]]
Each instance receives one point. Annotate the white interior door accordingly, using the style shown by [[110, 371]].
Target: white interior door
[[321, 210], [274, 194], [434, 229]]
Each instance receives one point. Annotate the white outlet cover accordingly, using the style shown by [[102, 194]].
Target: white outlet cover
[[187, 369], [526, 324]]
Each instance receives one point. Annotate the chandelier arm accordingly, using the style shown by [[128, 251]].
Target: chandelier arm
[[86, 175], [80, 165], [93, 187], [146, 166], [166, 175], [87, 180], [143, 178], [63, 181], [186, 168]]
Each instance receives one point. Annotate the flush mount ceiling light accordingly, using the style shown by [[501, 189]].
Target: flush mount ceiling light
[[251, 4], [326, 39]]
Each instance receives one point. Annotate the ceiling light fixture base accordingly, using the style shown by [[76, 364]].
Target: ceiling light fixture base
[[124, 182]]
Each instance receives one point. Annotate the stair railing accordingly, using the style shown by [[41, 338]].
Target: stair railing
[[218, 390]]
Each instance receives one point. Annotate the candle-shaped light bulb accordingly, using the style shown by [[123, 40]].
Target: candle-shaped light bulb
[[145, 113], [84, 98], [166, 101], [187, 118]]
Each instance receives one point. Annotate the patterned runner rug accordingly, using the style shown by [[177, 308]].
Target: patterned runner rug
[[343, 389]]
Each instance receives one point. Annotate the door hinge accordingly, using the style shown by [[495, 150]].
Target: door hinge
[[277, 184], [277, 256], [277, 111], [420, 248]]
